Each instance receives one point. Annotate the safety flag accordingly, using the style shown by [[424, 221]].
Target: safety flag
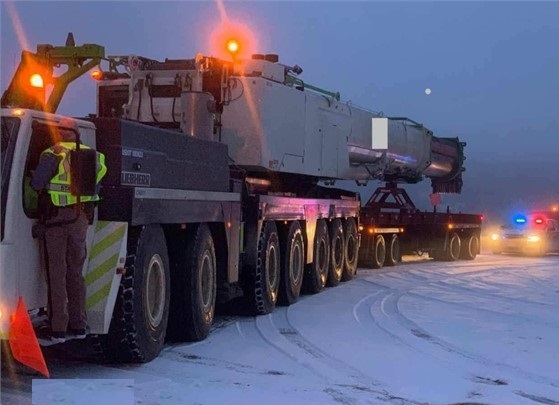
[[23, 341], [435, 199]]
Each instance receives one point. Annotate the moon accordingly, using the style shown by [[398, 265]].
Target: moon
[[427, 91]]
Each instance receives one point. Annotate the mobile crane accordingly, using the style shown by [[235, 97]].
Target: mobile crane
[[213, 189]]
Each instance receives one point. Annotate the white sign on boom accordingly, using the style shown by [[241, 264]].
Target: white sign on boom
[[379, 133]]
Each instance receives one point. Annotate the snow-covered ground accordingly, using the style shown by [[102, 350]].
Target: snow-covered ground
[[480, 332]]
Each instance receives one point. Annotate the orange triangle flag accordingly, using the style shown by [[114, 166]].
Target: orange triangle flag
[[23, 341]]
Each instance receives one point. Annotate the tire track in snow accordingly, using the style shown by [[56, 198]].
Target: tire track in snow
[[424, 277], [212, 362], [354, 386], [384, 311], [487, 310], [488, 294], [287, 342], [289, 331]]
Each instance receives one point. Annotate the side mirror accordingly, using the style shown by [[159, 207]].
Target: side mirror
[[83, 167]]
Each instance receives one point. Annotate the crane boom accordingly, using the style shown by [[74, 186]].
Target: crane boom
[[277, 126]]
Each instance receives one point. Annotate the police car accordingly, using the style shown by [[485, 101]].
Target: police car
[[533, 234]]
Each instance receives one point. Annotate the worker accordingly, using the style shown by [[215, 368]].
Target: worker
[[65, 228]]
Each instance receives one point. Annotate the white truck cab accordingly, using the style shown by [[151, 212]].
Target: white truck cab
[[25, 134]]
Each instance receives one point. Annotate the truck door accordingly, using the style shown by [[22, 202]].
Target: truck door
[[22, 254], [31, 266]]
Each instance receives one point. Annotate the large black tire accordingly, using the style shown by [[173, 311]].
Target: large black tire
[[469, 248], [453, 248], [337, 251], [193, 287], [139, 323], [292, 248], [263, 285], [373, 252], [393, 255], [450, 252], [378, 252], [316, 273], [351, 249]]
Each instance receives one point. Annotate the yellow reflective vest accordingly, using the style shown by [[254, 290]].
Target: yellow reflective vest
[[59, 186]]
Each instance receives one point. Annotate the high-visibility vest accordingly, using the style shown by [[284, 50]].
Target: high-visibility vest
[[59, 186]]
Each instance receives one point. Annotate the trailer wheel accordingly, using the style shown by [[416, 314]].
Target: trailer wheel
[[139, 322], [317, 272], [292, 248], [351, 249], [264, 286], [393, 255], [453, 249], [193, 287], [373, 251], [337, 252], [378, 253], [470, 248]]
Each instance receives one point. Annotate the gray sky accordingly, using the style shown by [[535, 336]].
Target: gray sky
[[493, 68]]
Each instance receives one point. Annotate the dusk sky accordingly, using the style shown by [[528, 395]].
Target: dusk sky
[[492, 67]]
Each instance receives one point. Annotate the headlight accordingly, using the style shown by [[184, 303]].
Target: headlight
[[494, 236], [533, 238]]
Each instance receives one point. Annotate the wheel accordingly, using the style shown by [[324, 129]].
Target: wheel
[[378, 252], [336, 267], [373, 251], [469, 248], [264, 285], [393, 255], [453, 248], [193, 287], [139, 323], [292, 248], [351, 249], [317, 272]]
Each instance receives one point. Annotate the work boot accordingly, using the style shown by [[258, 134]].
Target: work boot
[[77, 333], [51, 338]]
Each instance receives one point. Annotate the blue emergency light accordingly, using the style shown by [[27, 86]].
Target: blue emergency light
[[519, 219]]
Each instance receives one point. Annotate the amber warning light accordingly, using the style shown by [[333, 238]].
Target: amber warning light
[[232, 39], [232, 46], [96, 75], [36, 80]]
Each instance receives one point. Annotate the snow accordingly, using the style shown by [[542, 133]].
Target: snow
[[479, 332], [75, 392]]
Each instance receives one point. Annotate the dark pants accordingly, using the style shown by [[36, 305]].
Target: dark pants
[[66, 253]]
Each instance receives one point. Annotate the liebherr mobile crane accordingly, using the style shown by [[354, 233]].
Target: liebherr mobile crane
[[214, 191]]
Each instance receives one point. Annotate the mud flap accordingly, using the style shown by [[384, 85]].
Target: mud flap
[[105, 266]]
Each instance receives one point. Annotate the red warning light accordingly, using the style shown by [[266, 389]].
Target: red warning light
[[538, 221]]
